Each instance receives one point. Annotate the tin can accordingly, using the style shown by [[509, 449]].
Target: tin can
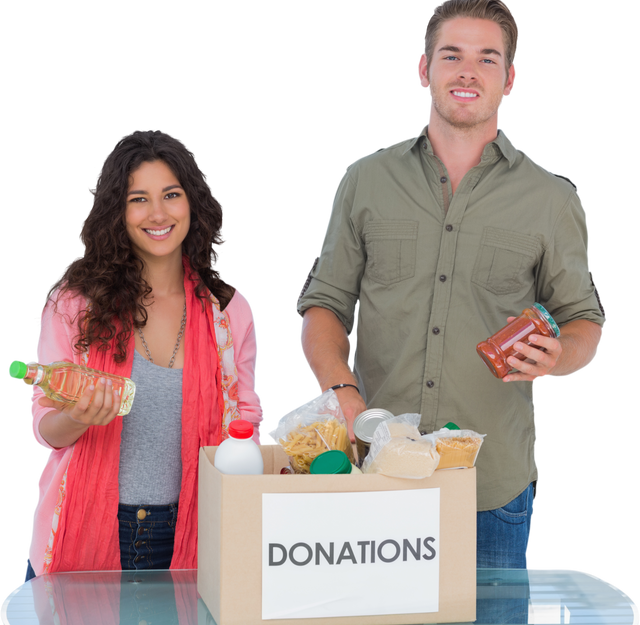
[[364, 426]]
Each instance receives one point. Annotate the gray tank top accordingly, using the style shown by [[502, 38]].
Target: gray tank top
[[150, 451]]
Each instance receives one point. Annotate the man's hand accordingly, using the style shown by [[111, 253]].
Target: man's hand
[[574, 349], [539, 359], [352, 405], [326, 346]]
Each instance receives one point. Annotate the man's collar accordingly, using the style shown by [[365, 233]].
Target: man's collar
[[499, 146]]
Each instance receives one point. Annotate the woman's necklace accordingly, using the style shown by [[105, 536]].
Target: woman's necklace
[[175, 349]]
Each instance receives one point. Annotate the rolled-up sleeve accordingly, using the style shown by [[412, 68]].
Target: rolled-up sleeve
[[335, 279], [564, 284]]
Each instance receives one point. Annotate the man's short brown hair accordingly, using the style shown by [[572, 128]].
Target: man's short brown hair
[[493, 10]]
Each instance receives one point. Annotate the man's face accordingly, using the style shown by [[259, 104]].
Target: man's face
[[467, 74]]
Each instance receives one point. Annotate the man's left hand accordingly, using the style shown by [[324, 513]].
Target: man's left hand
[[541, 358]]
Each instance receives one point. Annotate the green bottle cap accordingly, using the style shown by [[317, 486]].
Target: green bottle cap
[[18, 370], [451, 426], [554, 326], [330, 463]]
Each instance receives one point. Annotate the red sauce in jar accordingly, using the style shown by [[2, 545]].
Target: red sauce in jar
[[497, 348]]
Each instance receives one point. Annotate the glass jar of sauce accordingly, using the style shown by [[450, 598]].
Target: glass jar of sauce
[[497, 348]]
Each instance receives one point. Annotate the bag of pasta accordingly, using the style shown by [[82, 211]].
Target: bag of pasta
[[312, 429]]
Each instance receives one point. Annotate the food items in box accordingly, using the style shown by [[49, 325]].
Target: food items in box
[[312, 429], [304, 444], [457, 448], [364, 426], [398, 449]]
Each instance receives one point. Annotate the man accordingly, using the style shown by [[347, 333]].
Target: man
[[441, 239]]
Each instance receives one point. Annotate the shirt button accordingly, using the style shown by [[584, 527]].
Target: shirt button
[[436, 330], [443, 278], [448, 228], [430, 383], [142, 515], [443, 179]]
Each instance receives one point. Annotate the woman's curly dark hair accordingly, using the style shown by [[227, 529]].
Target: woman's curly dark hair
[[109, 274]]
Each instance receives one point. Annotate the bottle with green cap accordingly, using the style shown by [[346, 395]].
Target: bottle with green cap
[[332, 462], [66, 382]]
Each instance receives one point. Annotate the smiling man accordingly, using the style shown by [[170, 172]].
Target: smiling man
[[441, 238]]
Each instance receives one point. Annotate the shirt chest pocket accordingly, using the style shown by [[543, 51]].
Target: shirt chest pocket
[[506, 261], [391, 250]]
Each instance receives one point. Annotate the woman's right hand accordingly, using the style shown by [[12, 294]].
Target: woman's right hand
[[98, 405]]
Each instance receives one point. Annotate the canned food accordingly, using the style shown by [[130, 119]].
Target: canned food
[[364, 426]]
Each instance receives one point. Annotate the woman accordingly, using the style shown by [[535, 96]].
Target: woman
[[143, 302]]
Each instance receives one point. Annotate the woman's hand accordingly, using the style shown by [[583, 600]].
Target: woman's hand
[[98, 405]]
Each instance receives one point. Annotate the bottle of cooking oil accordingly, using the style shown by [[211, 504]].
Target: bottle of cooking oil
[[66, 381]]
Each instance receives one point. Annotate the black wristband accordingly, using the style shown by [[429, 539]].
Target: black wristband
[[337, 386]]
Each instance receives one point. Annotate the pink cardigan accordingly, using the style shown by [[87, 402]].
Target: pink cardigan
[[57, 338]]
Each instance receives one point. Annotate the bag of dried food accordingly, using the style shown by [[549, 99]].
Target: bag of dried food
[[457, 448], [398, 449], [312, 429]]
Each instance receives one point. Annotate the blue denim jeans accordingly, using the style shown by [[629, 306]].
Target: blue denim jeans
[[146, 536], [503, 534]]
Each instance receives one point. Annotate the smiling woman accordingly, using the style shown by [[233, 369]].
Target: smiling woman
[[143, 302], [158, 214]]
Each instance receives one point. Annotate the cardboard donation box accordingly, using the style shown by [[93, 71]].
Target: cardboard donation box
[[335, 549]]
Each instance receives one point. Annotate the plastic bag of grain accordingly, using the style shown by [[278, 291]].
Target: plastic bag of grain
[[398, 449], [457, 448]]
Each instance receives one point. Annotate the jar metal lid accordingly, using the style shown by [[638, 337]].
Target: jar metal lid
[[549, 319]]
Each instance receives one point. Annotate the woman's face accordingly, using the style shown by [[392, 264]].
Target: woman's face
[[158, 214]]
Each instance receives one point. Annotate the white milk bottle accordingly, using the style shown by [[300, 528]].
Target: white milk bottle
[[239, 454]]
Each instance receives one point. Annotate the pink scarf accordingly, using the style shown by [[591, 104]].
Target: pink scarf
[[87, 534]]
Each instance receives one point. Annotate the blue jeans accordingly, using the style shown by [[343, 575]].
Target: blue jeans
[[144, 544], [146, 536], [503, 534]]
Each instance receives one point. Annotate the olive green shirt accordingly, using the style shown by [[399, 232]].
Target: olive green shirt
[[436, 273]]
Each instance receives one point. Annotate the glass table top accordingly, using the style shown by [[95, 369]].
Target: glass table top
[[170, 598]]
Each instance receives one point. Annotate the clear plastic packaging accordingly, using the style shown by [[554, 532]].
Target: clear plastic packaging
[[311, 429], [398, 449], [457, 448]]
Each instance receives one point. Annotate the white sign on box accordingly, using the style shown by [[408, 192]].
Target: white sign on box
[[350, 554]]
